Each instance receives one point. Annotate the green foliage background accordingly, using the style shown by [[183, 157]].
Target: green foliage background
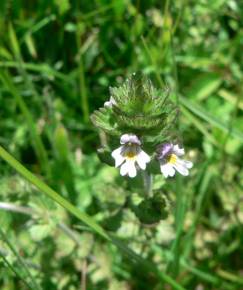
[[57, 61]]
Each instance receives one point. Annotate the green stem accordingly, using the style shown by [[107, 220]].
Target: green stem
[[148, 183]]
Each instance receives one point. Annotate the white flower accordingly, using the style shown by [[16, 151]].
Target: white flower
[[130, 156], [110, 103], [170, 161]]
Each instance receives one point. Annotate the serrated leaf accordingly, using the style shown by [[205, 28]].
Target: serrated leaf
[[138, 108]]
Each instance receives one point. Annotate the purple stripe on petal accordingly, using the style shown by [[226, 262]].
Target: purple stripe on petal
[[165, 150]]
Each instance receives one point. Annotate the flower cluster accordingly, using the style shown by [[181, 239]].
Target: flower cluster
[[130, 157], [141, 116]]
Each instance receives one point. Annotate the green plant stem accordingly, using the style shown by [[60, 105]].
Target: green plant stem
[[148, 183]]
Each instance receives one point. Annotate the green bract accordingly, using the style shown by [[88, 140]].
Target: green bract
[[138, 108], [153, 209]]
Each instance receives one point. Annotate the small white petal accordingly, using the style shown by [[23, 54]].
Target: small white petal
[[128, 168], [119, 160], [142, 159], [145, 156], [116, 154], [110, 103], [188, 164], [124, 169], [141, 162], [124, 139], [181, 168], [132, 172], [185, 163], [178, 151], [167, 170], [134, 139], [171, 171]]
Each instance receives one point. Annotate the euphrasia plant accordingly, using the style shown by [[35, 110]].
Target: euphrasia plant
[[140, 124]]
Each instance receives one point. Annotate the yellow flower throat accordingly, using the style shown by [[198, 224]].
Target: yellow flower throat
[[172, 158], [131, 151]]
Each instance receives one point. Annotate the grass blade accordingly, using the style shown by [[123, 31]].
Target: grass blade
[[36, 139], [19, 259], [14, 271], [201, 113]]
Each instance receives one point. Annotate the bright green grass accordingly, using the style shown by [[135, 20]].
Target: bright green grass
[[65, 221]]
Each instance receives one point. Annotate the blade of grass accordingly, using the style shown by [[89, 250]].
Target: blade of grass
[[199, 208], [214, 278], [35, 137], [229, 276], [230, 97], [153, 62], [15, 272], [20, 260], [40, 68], [97, 11], [208, 277], [201, 113], [81, 78], [38, 144], [190, 117], [148, 266], [39, 25]]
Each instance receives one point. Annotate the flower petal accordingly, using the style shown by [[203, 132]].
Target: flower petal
[[181, 168], [188, 164], [145, 156], [132, 171], [128, 168], [126, 138], [178, 151], [142, 159], [124, 169], [167, 170], [116, 154], [110, 103], [185, 163], [171, 171]]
